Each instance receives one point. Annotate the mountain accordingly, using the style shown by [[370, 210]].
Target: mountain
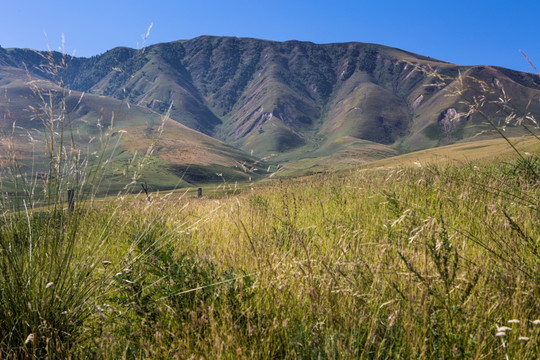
[[308, 106], [180, 156]]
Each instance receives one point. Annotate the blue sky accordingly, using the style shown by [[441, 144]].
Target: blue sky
[[462, 32]]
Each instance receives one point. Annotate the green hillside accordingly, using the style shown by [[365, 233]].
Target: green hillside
[[173, 155], [298, 105], [276, 97]]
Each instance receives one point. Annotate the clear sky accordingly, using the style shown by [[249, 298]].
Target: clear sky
[[463, 32]]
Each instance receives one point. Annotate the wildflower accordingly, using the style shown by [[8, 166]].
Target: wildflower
[[49, 285], [503, 328], [501, 333], [536, 322], [523, 338], [513, 321], [100, 311], [29, 338]]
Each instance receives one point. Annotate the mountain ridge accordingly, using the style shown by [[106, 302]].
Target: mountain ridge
[[296, 100]]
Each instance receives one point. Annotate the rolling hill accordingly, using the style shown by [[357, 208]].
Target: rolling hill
[[173, 154]]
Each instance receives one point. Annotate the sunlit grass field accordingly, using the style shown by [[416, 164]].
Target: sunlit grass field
[[429, 255], [427, 261]]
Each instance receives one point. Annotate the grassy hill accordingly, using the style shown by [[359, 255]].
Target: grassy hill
[[298, 105], [464, 152], [34, 117]]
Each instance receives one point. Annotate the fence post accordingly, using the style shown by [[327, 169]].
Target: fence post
[[145, 188], [71, 200], [199, 193]]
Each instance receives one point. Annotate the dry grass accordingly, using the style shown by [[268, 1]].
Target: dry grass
[[399, 263]]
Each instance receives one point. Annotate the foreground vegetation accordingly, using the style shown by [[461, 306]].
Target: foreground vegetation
[[429, 261]]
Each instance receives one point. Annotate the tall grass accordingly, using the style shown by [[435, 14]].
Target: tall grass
[[436, 261], [427, 262], [51, 257]]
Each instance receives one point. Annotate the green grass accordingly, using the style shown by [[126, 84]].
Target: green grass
[[392, 263]]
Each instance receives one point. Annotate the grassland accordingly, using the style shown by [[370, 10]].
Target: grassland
[[404, 262], [429, 255]]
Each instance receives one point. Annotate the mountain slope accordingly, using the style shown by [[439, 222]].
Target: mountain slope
[[302, 102], [180, 156], [276, 97]]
